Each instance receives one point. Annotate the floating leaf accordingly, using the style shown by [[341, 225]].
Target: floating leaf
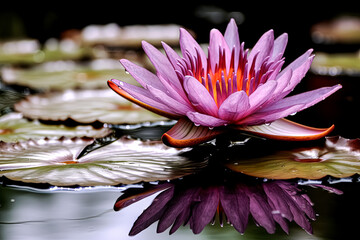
[[342, 29], [130, 36], [29, 51], [338, 157], [124, 161], [84, 106], [13, 128], [336, 64], [61, 75]]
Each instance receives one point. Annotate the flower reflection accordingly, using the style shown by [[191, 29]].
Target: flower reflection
[[198, 200], [229, 86]]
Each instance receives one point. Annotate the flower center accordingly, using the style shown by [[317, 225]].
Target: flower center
[[227, 73]]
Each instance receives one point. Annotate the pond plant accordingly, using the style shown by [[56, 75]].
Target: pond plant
[[222, 93], [229, 88]]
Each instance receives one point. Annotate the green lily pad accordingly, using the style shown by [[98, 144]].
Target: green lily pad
[[30, 51], [130, 36], [338, 157], [84, 106], [124, 161], [13, 128], [343, 29], [62, 75], [336, 64]]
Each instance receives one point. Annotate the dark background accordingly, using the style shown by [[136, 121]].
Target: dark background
[[42, 20]]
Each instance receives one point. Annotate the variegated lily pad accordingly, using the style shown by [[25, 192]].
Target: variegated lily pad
[[338, 157], [13, 128], [124, 161], [84, 106], [61, 75]]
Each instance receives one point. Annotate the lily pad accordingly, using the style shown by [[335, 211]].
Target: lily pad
[[338, 157], [130, 36], [61, 75], [84, 106], [342, 29], [30, 51], [124, 161], [13, 128], [336, 64]]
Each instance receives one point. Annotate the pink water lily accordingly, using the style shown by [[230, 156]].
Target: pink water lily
[[229, 88]]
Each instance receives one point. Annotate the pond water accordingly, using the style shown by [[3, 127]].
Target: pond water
[[87, 213], [164, 193]]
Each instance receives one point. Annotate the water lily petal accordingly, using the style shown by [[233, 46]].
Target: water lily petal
[[289, 105], [233, 40], [232, 35], [204, 210], [279, 46], [206, 120], [299, 68], [235, 203], [185, 134], [163, 66], [188, 43], [235, 106], [174, 210], [287, 130], [278, 197], [291, 206], [217, 43], [299, 74], [261, 95], [170, 102], [134, 195], [297, 62], [172, 56], [260, 118], [173, 93], [142, 75], [261, 211], [306, 99], [152, 213], [262, 48], [282, 83], [141, 97], [199, 96]]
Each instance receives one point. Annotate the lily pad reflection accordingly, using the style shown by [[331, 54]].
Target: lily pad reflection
[[124, 161], [338, 157]]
